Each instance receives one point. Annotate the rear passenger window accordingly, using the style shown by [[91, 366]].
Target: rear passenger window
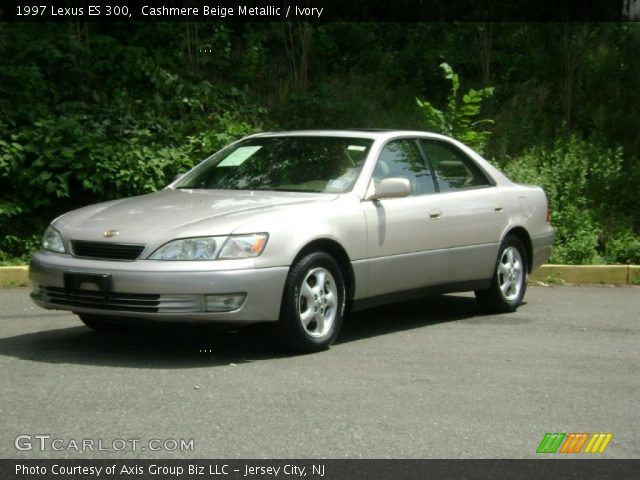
[[453, 169], [402, 158]]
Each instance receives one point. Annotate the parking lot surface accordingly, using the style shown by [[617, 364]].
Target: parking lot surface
[[427, 379]]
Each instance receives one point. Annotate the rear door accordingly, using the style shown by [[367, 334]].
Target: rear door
[[473, 211]]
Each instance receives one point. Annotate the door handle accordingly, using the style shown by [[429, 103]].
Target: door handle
[[435, 213], [498, 208]]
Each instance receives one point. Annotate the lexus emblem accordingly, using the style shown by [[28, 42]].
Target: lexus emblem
[[111, 233]]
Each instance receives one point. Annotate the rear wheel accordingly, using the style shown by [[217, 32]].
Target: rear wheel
[[509, 281], [313, 304]]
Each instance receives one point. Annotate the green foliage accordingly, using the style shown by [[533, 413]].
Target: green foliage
[[90, 112], [578, 177], [459, 119], [17, 250], [85, 134], [623, 247]]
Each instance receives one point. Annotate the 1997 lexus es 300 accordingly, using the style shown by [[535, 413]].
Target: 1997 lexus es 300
[[295, 228]]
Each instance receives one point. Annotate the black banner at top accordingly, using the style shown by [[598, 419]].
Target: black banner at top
[[317, 10]]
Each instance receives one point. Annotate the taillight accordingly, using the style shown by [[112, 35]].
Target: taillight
[[548, 215]]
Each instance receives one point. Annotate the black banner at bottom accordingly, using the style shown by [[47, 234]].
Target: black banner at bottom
[[583, 469]]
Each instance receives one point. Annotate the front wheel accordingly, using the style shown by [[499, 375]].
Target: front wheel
[[509, 281], [313, 304]]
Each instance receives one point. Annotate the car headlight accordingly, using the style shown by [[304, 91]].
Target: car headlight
[[52, 241], [212, 248]]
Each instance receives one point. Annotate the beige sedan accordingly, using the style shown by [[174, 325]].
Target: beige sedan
[[296, 229]]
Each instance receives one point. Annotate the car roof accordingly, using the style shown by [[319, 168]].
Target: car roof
[[372, 133]]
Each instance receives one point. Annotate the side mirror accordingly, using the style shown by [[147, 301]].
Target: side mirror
[[394, 187]]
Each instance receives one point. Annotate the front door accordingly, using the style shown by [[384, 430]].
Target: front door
[[407, 242]]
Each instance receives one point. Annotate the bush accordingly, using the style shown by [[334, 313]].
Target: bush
[[17, 250], [580, 178], [623, 247]]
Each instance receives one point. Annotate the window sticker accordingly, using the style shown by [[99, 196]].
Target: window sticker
[[238, 157], [337, 184], [357, 148]]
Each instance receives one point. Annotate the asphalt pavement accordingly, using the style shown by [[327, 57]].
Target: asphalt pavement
[[427, 379]]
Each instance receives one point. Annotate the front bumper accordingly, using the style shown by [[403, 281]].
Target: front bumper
[[155, 290]]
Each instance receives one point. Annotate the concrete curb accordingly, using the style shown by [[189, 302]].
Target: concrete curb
[[14, 276], [583, 274], [18, 276]]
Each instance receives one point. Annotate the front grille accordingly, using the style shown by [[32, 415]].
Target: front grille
[[131, 302], [123, 302], [106, 251]]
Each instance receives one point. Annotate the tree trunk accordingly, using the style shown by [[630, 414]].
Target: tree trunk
[[484, 37], [298, 48]]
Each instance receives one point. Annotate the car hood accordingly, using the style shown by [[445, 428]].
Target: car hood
[[168, 214]]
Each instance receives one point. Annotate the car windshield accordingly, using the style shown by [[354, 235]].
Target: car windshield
[[289, 163]]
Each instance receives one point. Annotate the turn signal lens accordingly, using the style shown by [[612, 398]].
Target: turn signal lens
[[244, 246]]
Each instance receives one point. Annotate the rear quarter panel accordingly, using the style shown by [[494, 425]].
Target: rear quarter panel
[[527, 208]]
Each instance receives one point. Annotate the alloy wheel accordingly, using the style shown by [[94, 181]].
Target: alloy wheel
[[317, 302]]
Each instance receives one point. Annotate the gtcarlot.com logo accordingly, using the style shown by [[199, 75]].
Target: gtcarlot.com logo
[[44, 442], [574, 442]]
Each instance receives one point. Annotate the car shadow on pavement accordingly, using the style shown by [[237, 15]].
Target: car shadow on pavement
[[402, 316], [192, 346], [165, 346]]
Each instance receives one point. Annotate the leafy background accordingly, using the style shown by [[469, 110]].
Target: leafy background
[[91, 112]]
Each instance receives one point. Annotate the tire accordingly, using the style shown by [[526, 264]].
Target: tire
[[311, 315], [509, 282]]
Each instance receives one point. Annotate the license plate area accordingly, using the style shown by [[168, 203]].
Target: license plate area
[[100, 284]]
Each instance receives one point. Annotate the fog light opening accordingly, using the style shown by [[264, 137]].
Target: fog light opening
[[224, 303]]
